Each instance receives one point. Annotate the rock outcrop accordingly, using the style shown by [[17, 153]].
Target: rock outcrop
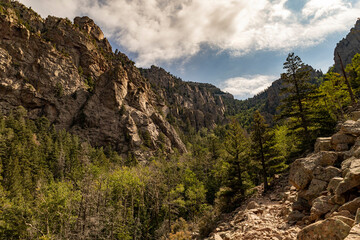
[[347, 47], [68, 73], [187, 103], [329, 182]]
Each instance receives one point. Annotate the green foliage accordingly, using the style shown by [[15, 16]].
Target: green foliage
[[55, 186], [59, 90], [353, 69], [298, 89], [334, 95], [264, 149], [90, 84], [237, 149]]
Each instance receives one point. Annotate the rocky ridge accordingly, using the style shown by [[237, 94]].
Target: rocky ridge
[[347, 47], [187, 104], [68, 73]]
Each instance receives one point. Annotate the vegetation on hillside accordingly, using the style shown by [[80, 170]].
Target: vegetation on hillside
[[55, 186]]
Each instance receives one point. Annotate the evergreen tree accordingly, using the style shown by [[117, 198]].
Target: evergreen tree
[[264, 150], [237, 148], [353, 69], [297, 91], [259, 137]]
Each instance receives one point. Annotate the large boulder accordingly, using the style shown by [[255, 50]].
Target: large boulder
[[341, 141], [354, 233], [301, 171], [351, 206], [326, 174], [351, 127], [351, 180], [325, 230], [320, 207], [334, 182], [315, 188], [326, 158]]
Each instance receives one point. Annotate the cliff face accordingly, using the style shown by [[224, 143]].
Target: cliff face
[[196, 104], [347, 47], [68, 73]]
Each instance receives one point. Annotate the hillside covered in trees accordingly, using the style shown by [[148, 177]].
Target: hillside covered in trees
[[92, 147]]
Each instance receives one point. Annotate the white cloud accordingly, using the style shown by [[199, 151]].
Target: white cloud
[[248, 86], [163, 30]]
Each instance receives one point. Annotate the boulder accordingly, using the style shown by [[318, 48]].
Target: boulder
[[327, 173], [323, 144], [315, 188], [325, 230], [301, 171], [354, 233], [326, 158], [351, 180], [351, 127], [355, 115], [320, 207], [334, 182], [348, 164], [341, 141], [344, 213], [346, 220], [351, 206]]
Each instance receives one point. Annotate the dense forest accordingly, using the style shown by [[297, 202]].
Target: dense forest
[[56, 186]]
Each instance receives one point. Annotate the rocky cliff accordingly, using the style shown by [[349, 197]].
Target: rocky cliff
[[187, 103], [68, 73], [347, 47]]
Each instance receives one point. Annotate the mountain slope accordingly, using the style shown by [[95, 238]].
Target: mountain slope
[[68, 73], [187, 104]]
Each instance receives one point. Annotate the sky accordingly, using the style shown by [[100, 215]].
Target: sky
[[237, 45]]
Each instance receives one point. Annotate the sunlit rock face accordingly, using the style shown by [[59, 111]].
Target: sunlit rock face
[[347, 47], [68, 73]]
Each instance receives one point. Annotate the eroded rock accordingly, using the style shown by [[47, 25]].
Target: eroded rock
[[325, 230]]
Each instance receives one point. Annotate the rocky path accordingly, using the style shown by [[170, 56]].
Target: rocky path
[[262, 216]]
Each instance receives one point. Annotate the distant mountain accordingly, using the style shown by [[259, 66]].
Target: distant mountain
[[267, 102], [187, 104]]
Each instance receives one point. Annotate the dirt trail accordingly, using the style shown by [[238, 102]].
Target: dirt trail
[[262, 217]]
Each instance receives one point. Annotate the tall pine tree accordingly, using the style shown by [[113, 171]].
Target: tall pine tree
[[264, 150], [237, 147], [297, 90]]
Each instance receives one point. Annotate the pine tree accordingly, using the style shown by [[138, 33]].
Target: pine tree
[[264, 149], [237, 148], [259, 138], [297, 91]]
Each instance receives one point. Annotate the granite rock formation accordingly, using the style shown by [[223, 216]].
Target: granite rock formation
[[187, 103], [347, 47], [68, 73]]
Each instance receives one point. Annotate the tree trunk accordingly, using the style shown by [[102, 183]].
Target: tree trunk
[[353, 100]]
